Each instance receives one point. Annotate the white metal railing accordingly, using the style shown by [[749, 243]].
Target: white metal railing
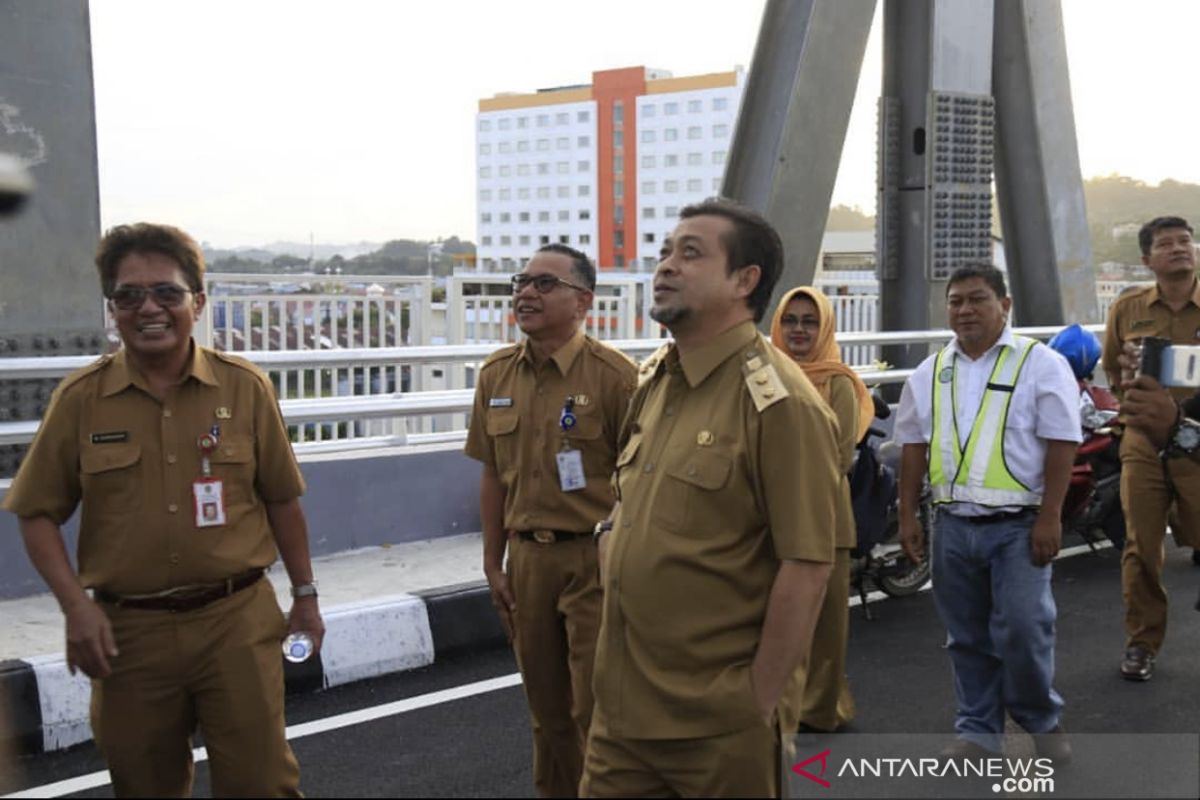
[[356, 409]]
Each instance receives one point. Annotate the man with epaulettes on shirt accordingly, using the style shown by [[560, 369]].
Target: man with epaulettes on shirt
[[189, 490], [545, 422], [722, 541]]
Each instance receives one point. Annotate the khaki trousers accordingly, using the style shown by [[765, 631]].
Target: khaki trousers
[[219, 667], [743, 763], [1149, 504], [818, 693], [558, 598]]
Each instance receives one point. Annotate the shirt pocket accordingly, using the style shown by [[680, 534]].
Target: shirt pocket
[[501, 428], [689, 497], [587, 437], [233, 464], [111, 478]]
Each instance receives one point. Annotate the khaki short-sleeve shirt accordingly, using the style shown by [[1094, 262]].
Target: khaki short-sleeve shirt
[[515, 428], [131, 459], [730, 465]]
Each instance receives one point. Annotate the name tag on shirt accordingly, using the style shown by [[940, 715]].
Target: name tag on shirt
[[500, 402], [209, 496], [570, 471]]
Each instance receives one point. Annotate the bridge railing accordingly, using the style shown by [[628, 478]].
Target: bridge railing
[[412, 405]]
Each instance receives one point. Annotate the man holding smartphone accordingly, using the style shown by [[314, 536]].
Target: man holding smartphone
[[1156, 484]]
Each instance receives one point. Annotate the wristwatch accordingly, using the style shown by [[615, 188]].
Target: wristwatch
[[304, 590], [1185, 438], [602, 527]]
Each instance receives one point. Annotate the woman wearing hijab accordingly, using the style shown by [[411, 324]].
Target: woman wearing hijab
[[818, 698]]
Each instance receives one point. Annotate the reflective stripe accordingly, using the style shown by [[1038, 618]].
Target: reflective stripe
[[986, 479]]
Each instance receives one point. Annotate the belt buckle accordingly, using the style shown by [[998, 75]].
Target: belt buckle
[[544, 537]]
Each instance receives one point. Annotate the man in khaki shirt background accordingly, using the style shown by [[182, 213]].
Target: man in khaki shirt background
[[188, 486], [723, 536], [1153, 489], [545, 423]]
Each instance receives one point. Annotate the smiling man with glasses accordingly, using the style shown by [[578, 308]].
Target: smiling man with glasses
[[545, 423], [182, 464]]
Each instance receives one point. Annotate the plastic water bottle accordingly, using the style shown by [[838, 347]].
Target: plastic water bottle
[[297, 647]]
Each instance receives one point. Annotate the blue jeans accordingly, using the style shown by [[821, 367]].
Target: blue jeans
[[999, 615]]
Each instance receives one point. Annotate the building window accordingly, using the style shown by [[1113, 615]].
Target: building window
[[562, 118], [564, 239], [618, 112], [505, 240], [618, 164], [523, 241], [522, 170], [485, 172], [718, 157], [720, 131], [671, 160], [670, 187], [695, 132], [695, 159], [583, 141], [583, 166], [485, 218], [618, 139], [505, 195], [562, 167], [487, 241], [670, 108], [648, 162], [505, 217], [648, 238], [544, 240], [585, 191], [543, 216], [585, 238], [523, 146], [716, 185], [648, 187], [648, 212], [543, 145], [670, 134], [505, 170], [523, 216], [485, 124], [618, 260], [522, 122], [562, 192], [564, 215], [671, 212], [543, 168], [505, 147], [618, 189], [693, 106], [694, 185], [619, 214], [504, 123], [485, 195], [485, 149], [585, 214], [648, 136], [543, 120], [649, 111], [489, 263], [543, 193], [619, 240], [720, 103], [562, 143], [649, 263], [582, 116]]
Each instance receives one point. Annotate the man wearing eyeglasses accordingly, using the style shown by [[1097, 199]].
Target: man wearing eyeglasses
[[545, 423], [189, 489]]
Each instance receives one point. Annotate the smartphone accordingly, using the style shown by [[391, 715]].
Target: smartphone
[[1170, 364]]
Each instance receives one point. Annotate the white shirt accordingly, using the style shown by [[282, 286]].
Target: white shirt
[[1044, 405]]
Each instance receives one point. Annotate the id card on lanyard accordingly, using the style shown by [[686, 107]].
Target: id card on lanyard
[[570, 460], [208, 493]]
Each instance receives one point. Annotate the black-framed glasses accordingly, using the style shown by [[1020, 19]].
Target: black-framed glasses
[[167, 295], [543, 283]]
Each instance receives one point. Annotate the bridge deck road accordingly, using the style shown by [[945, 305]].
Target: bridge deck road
[[480, 745]]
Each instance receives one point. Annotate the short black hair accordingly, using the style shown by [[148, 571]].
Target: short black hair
[[1148, 231], [144, 238], [752, 241], [584, 270], [991, 274]]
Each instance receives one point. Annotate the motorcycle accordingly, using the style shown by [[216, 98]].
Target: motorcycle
[[878, 560]]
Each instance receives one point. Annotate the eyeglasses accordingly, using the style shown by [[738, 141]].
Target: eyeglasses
[[543, 283], [792, 321], [131, 298]]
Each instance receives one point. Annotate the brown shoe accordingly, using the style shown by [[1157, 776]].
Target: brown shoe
[[1054, 745], [1138, 664], [962, 749]]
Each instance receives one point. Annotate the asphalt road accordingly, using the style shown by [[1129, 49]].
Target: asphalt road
[[480, 745]]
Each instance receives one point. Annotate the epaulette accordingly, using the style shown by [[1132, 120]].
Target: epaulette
[[765, 385], [648, 367], [504, 353], [613, 357], [81, 373], [235, 360], [1132, 289]]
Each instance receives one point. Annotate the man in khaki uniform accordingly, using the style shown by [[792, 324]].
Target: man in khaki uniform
[[723, 536], [545, 423], [1154, 489], [188, 484]]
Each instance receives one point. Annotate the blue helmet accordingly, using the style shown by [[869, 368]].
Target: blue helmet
[[1079, 347]]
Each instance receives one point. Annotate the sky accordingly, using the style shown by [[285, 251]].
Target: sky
[[252, 121]]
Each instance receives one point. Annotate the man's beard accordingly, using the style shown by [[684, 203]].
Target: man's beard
[[669, 315]]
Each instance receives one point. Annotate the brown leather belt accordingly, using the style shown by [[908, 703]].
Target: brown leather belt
[[183, 598], [550, 537]]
